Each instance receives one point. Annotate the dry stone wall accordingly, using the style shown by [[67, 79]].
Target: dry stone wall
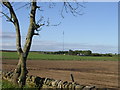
[[35, 81]]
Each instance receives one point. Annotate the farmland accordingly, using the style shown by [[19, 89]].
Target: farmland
[[87, 70], [38, 56]]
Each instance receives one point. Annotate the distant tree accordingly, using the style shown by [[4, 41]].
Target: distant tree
[[21, 70], [108, 54], [70, 52], [96, 54], [87, 53]]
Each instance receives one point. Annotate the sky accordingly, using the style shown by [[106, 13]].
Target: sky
[[95, 30]]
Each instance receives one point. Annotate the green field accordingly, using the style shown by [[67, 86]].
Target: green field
[[38, 56]]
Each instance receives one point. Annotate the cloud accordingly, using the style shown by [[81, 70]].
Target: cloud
[[50, 45], [94, 48], [8, 35], [56, 46]]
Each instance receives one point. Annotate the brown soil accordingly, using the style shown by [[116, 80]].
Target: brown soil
[[103, 74]]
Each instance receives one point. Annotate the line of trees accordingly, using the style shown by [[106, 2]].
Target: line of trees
[[78, 53]]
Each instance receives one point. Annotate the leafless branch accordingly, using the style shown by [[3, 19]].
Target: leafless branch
[[62, 10], [16, 8], [52, 5], [48, 22], [56, 24], [73, 9], [22, 6], [9, 19], [16, 24], [40, 20], [65, 7]]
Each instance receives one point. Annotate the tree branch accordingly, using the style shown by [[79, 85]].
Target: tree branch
[[73, 9], [36, 33], [16, 24], [31, 30], [9, 19]]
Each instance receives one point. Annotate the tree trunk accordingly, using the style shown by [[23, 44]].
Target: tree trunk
[[20, 72], [22, 77], [17, 72]]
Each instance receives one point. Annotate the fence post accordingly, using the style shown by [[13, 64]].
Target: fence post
[[72, 78]]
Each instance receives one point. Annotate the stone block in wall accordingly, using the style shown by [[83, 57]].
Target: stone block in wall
[[54, 83], [60, 83], [39, 81], [31, 84], [79, 87], [48, 81], [34, 81], [89, 88]]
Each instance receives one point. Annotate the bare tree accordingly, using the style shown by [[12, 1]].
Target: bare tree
[[21, 71]]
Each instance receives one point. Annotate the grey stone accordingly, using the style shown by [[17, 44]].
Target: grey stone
[[88, 87], [65, 82], [38, 81], [9, 73], [73, 86], [70, 85], [48, 81], [33, 78], [60, 84], [28, 79], [45, 80], [79, 87], [54, 83], [67, 85]]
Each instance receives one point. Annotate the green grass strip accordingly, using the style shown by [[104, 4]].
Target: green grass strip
[[38, 56]]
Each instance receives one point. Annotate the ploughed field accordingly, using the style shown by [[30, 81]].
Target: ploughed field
[[87, 70], [98, 73]]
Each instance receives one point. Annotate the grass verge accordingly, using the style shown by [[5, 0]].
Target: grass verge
[[6, 85]]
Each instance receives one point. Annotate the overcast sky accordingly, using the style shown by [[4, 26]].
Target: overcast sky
[[96, 29]]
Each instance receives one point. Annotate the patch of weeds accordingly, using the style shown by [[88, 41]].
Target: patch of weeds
[[6, 85]]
